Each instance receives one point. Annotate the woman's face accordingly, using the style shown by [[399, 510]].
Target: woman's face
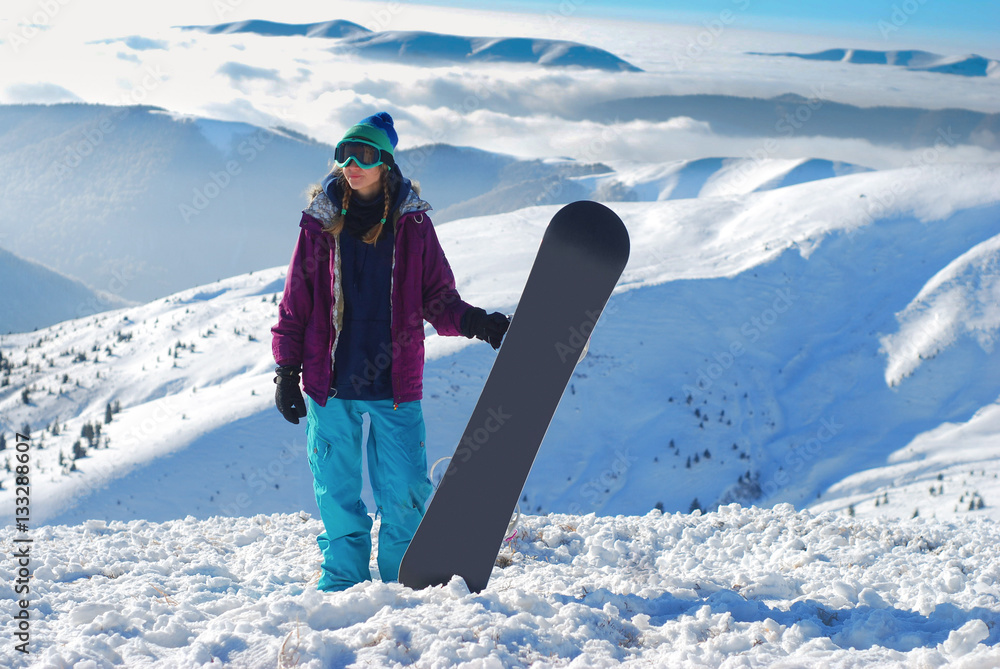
[[365, 182]]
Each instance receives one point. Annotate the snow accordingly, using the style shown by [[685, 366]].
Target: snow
[[964, 297], [736, 587], [781, 449]]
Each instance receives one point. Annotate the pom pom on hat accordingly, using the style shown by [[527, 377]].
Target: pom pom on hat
[[377, 129]]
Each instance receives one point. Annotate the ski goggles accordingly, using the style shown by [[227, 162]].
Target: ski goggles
[[364, 155]]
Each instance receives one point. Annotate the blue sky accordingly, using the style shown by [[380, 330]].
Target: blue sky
[[972, 24]]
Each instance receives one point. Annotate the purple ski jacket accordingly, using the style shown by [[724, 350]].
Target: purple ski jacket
[[310, 315]]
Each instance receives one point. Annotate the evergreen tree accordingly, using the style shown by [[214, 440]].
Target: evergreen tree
[[695, 504]]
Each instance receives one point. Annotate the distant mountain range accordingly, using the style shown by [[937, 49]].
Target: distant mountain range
[[33, 296], [967, 66], [429, 47], [792, 115], [160, 202]]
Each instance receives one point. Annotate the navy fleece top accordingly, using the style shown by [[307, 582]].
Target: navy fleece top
[[362, 367], [363, 359]]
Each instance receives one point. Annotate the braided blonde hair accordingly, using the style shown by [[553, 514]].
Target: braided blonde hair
[[372, 235]]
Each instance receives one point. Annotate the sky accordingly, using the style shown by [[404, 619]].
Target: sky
[[972, 24]]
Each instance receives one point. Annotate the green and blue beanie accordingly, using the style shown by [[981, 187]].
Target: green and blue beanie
[[377, 129]]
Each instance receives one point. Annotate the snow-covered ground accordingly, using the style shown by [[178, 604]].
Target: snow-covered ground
[[734, 588]]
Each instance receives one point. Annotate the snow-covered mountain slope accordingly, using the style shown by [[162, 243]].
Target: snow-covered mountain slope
[[33, 296], [434, 48], [740, 587], [971, 65], [963, 299], [741, 359], [946, 472], [181, 370], [167, 202], [708, 177]]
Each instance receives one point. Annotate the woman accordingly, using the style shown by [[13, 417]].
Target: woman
[[365, 274]]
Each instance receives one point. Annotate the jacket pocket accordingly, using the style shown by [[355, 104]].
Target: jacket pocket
[[410, 361]]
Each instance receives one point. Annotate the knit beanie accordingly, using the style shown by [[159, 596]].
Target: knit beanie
[[376, 129]]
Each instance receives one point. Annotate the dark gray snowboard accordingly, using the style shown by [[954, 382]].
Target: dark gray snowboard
[[583, 252]]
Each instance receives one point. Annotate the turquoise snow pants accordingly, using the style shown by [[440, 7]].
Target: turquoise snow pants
[[397, 468]]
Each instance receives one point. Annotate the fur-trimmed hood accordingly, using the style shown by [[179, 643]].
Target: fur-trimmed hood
[[322, 208]]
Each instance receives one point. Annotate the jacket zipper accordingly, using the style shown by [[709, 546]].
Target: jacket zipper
[[333, 312], [392, 286]]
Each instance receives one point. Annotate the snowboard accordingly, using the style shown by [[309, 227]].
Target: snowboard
[[581, 257]]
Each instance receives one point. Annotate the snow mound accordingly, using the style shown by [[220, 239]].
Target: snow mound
[[961, 299], [740, 585]]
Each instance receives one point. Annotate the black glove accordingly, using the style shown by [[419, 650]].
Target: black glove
[[287, 396], [491, 328]]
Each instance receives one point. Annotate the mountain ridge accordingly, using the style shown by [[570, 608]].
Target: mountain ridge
[[431, 47]]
